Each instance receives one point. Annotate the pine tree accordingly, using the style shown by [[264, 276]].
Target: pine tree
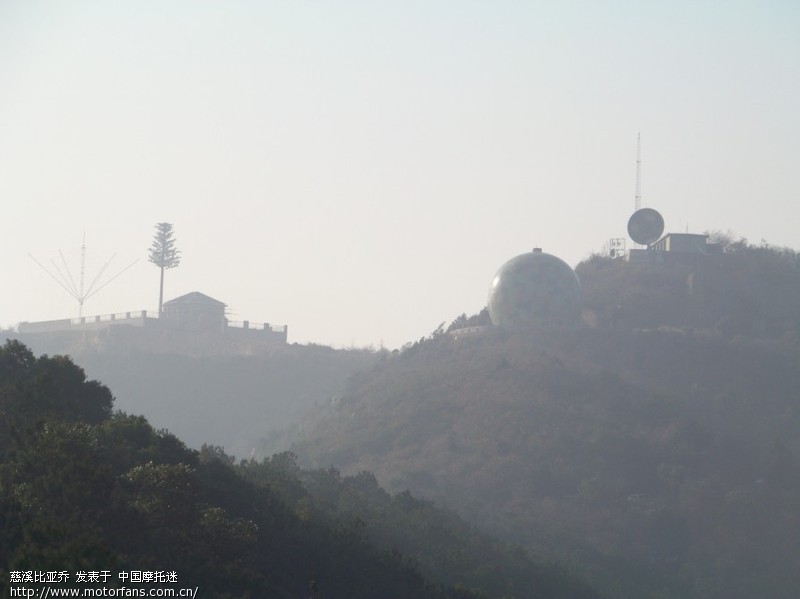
[[164, 255]]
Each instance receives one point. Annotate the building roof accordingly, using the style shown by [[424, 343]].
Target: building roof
[[695, 238], [195, 297], [684, 243]]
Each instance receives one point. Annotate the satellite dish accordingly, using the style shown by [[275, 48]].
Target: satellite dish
[[645, 226]]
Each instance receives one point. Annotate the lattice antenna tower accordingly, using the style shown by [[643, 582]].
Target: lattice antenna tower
[[62, 275], [637, 202]]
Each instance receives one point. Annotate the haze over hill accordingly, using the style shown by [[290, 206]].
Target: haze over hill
[[91, 496], [656, 449], [653, 447], [358, 170], [204, 387]]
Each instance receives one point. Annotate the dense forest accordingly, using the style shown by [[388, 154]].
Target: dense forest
[[85, 489], [653, 448]]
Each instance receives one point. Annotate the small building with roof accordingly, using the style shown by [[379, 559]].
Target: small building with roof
[[688, 243], [195, 311]]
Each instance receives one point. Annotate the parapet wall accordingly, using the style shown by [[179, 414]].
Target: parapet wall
[[140, 318], [250, 330], [244, 330]]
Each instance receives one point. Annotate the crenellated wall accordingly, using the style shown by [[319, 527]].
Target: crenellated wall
[[244, 330]]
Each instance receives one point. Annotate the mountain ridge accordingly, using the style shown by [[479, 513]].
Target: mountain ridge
[[658, 445]]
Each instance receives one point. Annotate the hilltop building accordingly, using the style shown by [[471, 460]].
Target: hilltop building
[[675, 246], [193, 312], [646, 227], [689, 243]]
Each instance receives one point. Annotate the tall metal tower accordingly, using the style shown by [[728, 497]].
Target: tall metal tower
[[63, 276], [638, 198]]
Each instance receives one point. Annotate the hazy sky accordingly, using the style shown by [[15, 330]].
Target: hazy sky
[[359, 170]]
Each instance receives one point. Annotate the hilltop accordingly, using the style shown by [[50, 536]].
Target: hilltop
[[653, 448]]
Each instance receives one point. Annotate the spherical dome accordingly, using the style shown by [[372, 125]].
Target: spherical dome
[[535, 289]]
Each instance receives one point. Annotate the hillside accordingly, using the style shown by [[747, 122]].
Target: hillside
[[85, 490], [655, 450], [202, 387]]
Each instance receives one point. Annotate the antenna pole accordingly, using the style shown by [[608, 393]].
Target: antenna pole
[[66, 281], [638, 198], [83, 270]]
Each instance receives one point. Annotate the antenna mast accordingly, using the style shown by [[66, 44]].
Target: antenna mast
[[638, 198], [63, 276], [82, 296]]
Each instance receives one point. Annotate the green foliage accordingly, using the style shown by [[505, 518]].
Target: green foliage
[[655, 461], [33, 390], [163, 252], [443, 546], [743, 290], [214, 397], [83, 492]]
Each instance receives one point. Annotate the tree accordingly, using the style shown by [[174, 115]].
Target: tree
[[164, 254], [33, 389]]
